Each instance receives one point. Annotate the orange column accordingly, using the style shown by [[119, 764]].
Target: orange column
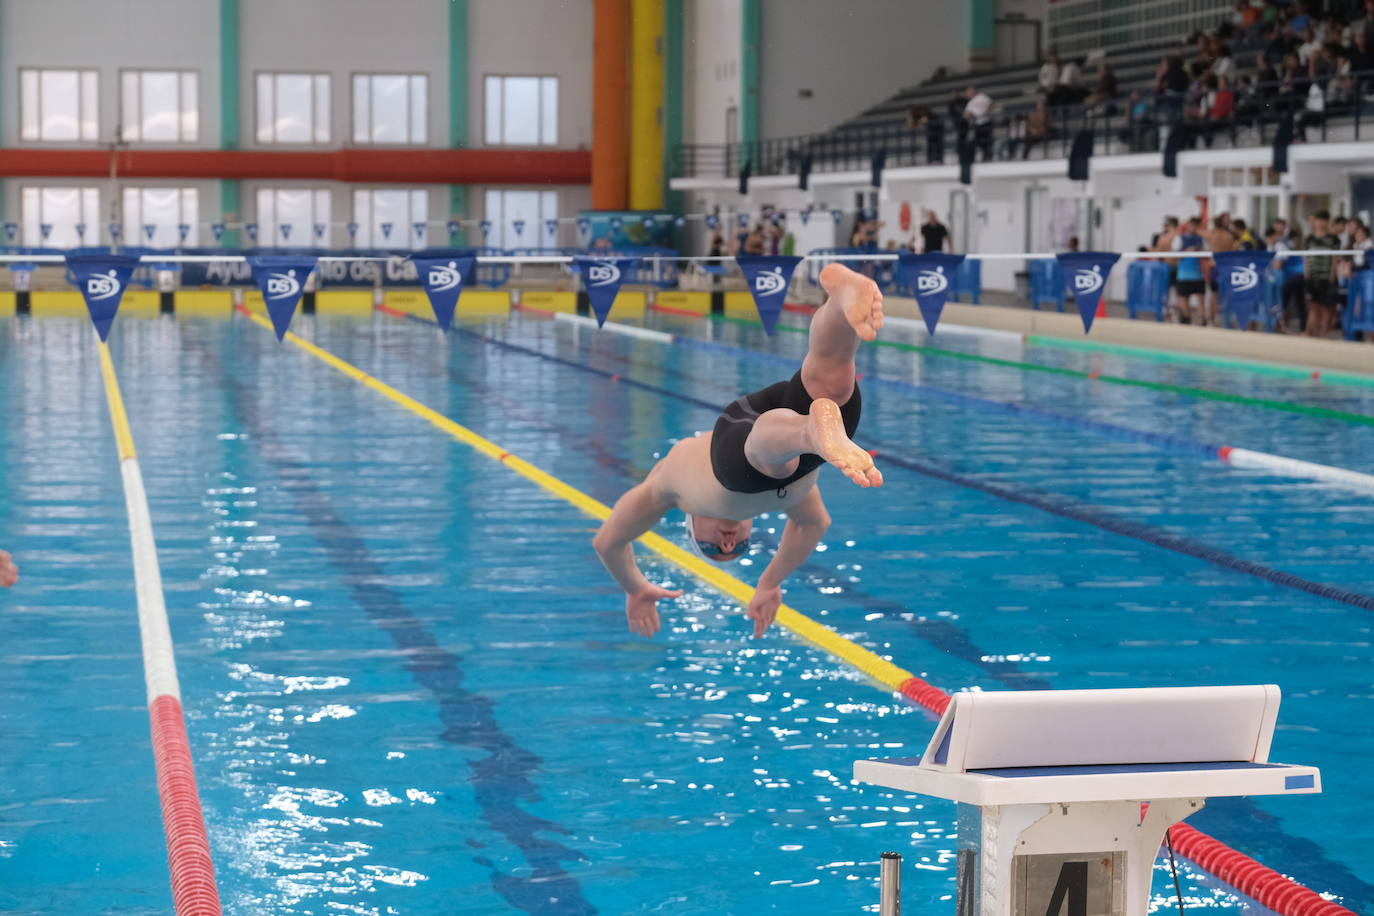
[[610, 105]]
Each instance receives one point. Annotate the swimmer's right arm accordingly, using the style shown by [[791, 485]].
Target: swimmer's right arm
[[9, 573], [634, 513]]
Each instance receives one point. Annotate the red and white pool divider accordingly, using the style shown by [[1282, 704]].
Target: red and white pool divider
[[194, 892]]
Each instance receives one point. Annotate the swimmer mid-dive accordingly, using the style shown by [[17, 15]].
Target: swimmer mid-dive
[[763, 456]]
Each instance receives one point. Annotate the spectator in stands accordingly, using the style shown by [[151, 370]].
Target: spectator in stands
[[978, 114], [1048, 77], [1245, 17], [1015, 138], [1068, 90], [934, 235], [1224, 64], [1365, 24], [1037, 127], [1171, 84], [955, 106], [922, 119], [1310, 45], [1190, 285], [1299, 21], [1219, 103], [1321, 275], [1361, 60], [1139, 131], [1105, 88]]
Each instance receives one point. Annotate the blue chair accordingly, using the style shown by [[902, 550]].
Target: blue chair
[[1147, 287], [1046, 283], [968, 280], [1359, 305]]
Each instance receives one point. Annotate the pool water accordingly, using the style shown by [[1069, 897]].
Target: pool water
[[409, 686]]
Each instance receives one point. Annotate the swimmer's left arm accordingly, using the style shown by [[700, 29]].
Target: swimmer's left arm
[[807, 523]]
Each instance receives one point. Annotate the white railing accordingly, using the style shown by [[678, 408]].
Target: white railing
[[1080, 26]]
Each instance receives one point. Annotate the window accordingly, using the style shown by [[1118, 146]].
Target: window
[[57, 105], [390, 108], [288, 216], [62, 210], [154, 216], [293, 108], [531, 209], [386, 218], [159, 106], [522, 110]]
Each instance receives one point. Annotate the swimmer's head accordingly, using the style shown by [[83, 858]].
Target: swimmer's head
[[720, 540]]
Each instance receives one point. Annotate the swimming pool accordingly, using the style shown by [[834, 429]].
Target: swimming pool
[[409, 686]]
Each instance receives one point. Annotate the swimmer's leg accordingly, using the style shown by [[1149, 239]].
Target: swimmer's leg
[[853, 311], [781, 436]]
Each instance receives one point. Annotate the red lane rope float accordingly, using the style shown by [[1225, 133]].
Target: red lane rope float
[[1281, 894], [1259, 882], [188, 847]]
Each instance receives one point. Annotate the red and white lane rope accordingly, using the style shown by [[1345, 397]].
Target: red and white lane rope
[[188, 847]]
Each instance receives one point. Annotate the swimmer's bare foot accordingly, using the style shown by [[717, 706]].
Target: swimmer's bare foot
[[828, 440], [857, 296]]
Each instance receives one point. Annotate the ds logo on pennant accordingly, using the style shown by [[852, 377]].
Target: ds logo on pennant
[[442, 279], [602, 273], [1088, 281], [929, 282], [102, 286], [1244, 278], [282, 286], [769, 281]]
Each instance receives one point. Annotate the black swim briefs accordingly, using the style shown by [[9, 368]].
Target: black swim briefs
[[732, 469]]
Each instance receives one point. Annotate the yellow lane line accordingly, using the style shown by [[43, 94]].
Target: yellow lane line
[[124, 437], [879, 669]]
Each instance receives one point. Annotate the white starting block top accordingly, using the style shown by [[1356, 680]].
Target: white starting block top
[[1061, 746]]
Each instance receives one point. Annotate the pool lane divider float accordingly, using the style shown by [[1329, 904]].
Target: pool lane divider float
[[1281, 894], [194, 892]]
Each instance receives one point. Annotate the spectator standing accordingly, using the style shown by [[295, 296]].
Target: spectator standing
[[1219, 238], [978, 114], [1104, 88], [1293, 289], [934, 235], [1321, 273], [1191, 287], [1048, 77], [1037, 127]]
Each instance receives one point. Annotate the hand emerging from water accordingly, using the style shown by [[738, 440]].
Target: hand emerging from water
[[763, 608], [9, 573], [641, 608]]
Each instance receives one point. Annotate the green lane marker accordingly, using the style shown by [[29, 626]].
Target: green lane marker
[[1215, 362], [1205, 393]]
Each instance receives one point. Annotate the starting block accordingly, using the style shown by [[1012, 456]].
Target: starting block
[[1065, 795]]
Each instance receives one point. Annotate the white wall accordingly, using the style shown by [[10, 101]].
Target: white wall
[[850, 55], [711, 68], [89, 34], [531, 38]]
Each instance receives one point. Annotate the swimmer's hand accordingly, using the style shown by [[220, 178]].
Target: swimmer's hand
[[9, 573], [763, 608], [641, 608]]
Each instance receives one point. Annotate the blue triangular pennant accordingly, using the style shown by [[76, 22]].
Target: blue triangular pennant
[[550, 226], [1085, 276], [386, 230], [10, 230], [805, 215], [743, 220], [102, 279], [352, 231], [45, 229], [584, 226], [931, 278], [285, 229], [602, 278], [768, 277], [1238, 281], [519, 226], [485, 226], [320, 230], [443, 280], [419, 230], [149, 230], [282, 280], [252, 230], [837, 215], [452, 227], [217, 230], [615, 222], [680, 222], [183, 231], [647, 222], [81, 231], [712, 221], [116, 230]]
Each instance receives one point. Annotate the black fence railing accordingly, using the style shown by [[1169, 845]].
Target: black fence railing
[[1018, 132]]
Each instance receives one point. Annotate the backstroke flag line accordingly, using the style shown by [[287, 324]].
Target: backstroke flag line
[[768, 277], [443, 279], [930, 277], [282, 280], [102, 279], [1238, 281], [602, 278], [1085, 276]]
